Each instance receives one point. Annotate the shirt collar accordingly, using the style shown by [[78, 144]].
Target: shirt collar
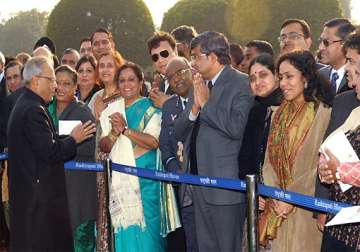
[[183, 99], [213, 80], [340, 72]]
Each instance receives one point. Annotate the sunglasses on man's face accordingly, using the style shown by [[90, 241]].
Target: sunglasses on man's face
[[328, 42], [164, 54]]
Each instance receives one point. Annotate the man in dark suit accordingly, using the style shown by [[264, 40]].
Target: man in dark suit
[[39, 218], [180, 78], [162, 48], [220, 109], [331, 40], [178, 72]]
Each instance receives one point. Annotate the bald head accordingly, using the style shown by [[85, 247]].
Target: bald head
[[178, 72], [43, 51], [175, 64]]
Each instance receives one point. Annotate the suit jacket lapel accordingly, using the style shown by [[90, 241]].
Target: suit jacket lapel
[[220, 83], [343, 84]]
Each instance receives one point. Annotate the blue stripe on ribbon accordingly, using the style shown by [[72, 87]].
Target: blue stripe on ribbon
[[82, 166], [3, 156], [306, 201]]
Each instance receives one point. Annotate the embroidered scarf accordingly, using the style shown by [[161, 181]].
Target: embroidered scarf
[[289, 128]]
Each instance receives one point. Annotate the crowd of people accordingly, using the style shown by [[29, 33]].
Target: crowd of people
[[212, 109]]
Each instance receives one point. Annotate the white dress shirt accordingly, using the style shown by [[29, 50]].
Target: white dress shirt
[[341, 74]]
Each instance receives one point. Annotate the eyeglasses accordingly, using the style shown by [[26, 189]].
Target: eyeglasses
[[290, 36], [51, 79], [328, 42], [195, 57], [178, 73], [164, 54]]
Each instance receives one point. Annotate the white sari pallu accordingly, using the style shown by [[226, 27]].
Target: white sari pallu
[[125, 199]]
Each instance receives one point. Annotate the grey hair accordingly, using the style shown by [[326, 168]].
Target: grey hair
[[2, 59], [71, 51], [34, 67]]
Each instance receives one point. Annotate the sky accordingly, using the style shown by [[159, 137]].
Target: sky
[[9, 7], [156, 7]]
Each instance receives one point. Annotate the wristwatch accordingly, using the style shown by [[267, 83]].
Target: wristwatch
[[125, 128]]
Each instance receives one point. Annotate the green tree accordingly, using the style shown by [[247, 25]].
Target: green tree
[[204, 15], [19, 33], [129, 20], [262, 19], [245, 20]]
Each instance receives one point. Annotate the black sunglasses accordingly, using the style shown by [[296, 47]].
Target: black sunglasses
[[163, 54], [328, 42]]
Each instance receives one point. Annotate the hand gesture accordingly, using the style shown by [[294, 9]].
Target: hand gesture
[[320, 221], [156, 82], [83, 131], [158, 97], [327, 168], [99, 106], [180, 152], [201, 91], [118, 123], [262, 203], [282, 209]]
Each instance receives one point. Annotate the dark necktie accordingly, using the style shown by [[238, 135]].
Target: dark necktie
[[193, 160], [184, 103], [210, 85], [334, 78]]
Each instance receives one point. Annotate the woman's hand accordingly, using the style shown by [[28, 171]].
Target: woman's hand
[[327, 168], [99, 106], [282, 209], [320, 222], [262, 202], [118, 123]]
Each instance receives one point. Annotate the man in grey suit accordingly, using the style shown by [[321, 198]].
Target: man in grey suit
[[331, 41], [216, 117]]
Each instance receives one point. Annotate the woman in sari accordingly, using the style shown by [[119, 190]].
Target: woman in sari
[[80, 185], [106, 68], [131, 138], [87, 85], [296, 132]]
